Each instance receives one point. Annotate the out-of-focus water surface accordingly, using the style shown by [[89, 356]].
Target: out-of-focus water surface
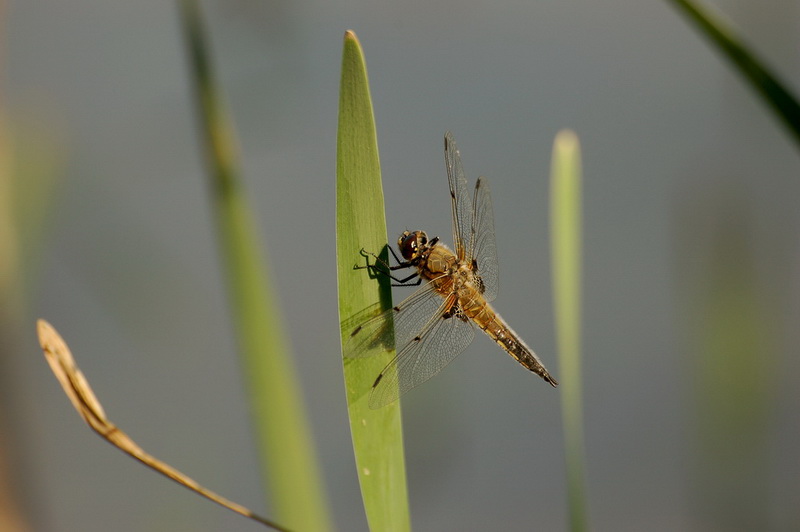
[[692, 256]]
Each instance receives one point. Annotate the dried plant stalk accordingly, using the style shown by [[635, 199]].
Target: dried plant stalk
[[83, 399]]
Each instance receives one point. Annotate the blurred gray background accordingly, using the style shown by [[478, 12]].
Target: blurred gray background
[[680, 160]]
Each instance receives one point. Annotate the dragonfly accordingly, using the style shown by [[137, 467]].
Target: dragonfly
[[438, 321]]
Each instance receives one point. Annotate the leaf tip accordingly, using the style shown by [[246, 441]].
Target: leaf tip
[[566, 140], [45, 332]]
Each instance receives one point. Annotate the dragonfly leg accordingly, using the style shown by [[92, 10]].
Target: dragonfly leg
[[385, 268], [406, 281], [399, 261]]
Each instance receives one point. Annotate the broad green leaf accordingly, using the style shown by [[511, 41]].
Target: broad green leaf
[[360, 223]]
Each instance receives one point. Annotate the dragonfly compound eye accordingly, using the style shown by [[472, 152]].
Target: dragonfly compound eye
[[411, 244], [408, 245]]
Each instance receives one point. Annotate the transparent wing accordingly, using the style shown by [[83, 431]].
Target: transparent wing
[[426, 342], [459, 196], [423, 356], [483, 248], [396, 326]]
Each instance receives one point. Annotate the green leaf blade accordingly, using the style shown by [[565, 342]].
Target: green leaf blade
[[285, 443], [360, 223], [767, 84]]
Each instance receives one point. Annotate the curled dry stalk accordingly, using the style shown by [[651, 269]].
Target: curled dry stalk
[[83, 399]]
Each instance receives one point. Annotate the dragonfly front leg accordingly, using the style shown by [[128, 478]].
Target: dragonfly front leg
[[387, 268]]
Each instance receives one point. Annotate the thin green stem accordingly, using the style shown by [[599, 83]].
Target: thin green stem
[[565, 228]]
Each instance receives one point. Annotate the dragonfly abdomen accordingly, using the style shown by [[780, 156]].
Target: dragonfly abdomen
[[498, 330]]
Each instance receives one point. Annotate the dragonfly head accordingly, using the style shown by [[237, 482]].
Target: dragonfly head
[[413, 244]]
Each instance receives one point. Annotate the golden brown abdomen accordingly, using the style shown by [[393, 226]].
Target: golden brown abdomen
[[484, 316]]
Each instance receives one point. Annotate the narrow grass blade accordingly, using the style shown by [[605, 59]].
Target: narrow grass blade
[[30, 167], [565, 235], [85, 402], [360, 223], [733, 315], [31, 162], [771, 89], [286, 446]]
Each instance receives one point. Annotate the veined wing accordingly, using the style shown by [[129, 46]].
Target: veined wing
[[459, 196], [425, 355], [396, 326], [482, 247], [473, 221], [426, 342]]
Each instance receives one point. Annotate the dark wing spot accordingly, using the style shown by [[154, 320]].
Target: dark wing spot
[[396, 309], [380, 376], [416, 339], [452, 311], [481, 285], [356, 331]]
